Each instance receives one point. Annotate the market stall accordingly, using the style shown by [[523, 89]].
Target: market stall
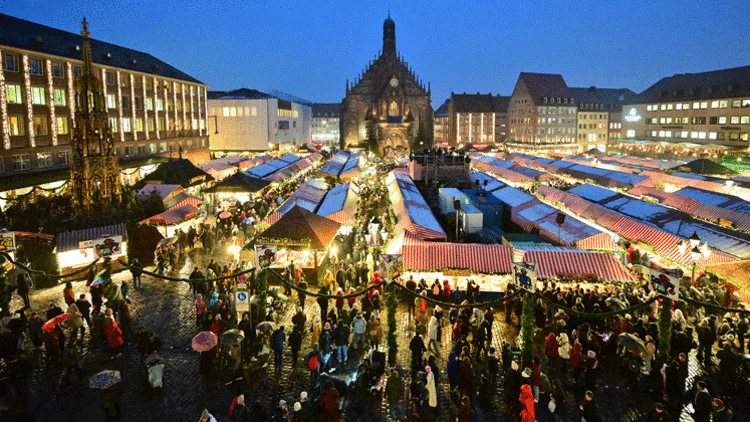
[[79, 248], [181, 216], [340, 204], [303, 236]]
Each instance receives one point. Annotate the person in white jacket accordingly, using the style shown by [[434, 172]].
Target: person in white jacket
[[207, 417], [431, 389], [432, 334]]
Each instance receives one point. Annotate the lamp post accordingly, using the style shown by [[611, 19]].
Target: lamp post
[[696, 254]]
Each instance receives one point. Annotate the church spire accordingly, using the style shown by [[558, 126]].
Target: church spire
[[389, 35]]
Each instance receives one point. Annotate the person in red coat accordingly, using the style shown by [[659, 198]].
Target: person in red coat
[[576, 360], [528, 413], [339, 301], [329, 403], [216, 327], [353, 299], [376, 279], [114, 335], [446, 290]]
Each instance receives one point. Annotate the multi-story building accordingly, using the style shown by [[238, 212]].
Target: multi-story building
[[440, 129], [699, 108], [250, 120], [155, 110], [542, 115], [325, 124], [598, 115], [477, 119]]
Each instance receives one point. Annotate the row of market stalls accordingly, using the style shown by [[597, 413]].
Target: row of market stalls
[[410, 208], [221, 168], [509, 171], [283, 168], [491, 264], [602, 176], [345, 165], [339, 203]]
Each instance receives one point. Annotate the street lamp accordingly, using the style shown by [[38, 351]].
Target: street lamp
[[696, 254], [695, 240]]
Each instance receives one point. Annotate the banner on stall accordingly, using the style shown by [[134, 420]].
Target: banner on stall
[[266, 253], [7, 241], [392, 265], [104, 246], [664, 284], [524, 275]]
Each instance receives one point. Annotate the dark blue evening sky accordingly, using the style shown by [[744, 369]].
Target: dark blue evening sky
[[309, 48]]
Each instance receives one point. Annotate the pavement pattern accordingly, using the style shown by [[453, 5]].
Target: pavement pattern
[[167, 309]]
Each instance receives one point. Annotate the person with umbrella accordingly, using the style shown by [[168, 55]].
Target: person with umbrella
[[53, 311], [110, 382]]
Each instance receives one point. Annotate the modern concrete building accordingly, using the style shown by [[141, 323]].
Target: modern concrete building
[[480, 120], [694, 110], [155, 110], [250, 120]]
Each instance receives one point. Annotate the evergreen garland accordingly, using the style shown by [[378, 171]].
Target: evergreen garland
[[261, 289], [665, 328], [392, 305], [527, 328], [5, 290]]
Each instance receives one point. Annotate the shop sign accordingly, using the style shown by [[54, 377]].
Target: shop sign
[[104, 246], [524, 275], [726, 223], [7, 241], [455, 272], [633, 116], [576, 276], [266, 253], [664, 284], [393, 266]]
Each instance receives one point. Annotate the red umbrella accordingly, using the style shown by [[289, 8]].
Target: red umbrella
[[225, 214], [51, 324], [205, 341]]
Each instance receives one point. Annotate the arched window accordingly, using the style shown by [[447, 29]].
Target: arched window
[[393, 109]]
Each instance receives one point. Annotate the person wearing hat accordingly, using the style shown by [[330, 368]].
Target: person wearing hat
[[300, 413], [658, 414], [721, 413], [240, 412], [702, 403], [307, 404], [207, 417], [282, 412], [589, 409]]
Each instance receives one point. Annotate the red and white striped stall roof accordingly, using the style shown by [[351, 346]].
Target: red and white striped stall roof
[[553, 265], [69, 241], [421, 255]]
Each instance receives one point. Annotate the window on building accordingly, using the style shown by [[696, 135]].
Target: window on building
[[704, 105], [746, 103], [152, 148], [701, 135], [734, 136], [684, 134], [76, 72], [712, 135], [713, 120], [37, 96], [16, 125], [126, 125], [722, 120], [111, 101], [240, 111], [21, 162], [61, 123], [141, 149], [63, 157], [13, 94], [163, 147], [194, 124], [715, 104], [160, 124], [125, 102], [138, 103], [110, 76], [663, 107], [744, 120], [139, 124], [723, 103], [44, 160], [57, 70], [233, 111], [150, 123], [159, 104], [696, 106], [735, 120], [60, 97], [149, 104], [693, 135], [40, 126], [36, 66], [225, 111], [10, 62], [129, 150], [743, 137], [113, 124], [669, 106]]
